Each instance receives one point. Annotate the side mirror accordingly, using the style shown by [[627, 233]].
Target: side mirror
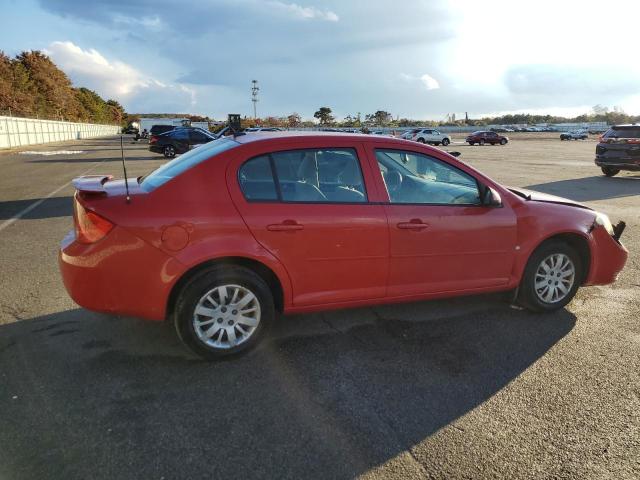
[[489, 197]]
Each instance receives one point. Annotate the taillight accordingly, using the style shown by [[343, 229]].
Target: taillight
[[153, 139], [90, 227]]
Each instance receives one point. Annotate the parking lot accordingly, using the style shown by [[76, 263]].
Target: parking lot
[[461, 388]]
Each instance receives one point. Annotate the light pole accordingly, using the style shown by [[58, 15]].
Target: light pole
[[254, 96]]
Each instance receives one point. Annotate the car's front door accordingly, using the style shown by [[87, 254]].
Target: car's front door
[[441, 238], [310, 208]]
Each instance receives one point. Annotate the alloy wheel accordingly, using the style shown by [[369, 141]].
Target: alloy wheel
[[554, 278], [226, 316]]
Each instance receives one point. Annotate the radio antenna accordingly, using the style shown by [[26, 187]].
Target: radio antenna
[[124, 168]]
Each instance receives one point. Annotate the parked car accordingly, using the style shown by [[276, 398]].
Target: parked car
[[220, 240], [160, 129], [575, 135], [408, 135], [432, 137], [482, 137], [619, 149], [179, 140]]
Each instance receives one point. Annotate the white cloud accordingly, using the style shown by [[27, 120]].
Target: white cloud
[[428, 82], [305, 13], [118, 80]]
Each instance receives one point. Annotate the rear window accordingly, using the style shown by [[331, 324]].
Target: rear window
[[185, 161], [623, 132]]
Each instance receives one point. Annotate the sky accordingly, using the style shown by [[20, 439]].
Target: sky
[[415, 59]]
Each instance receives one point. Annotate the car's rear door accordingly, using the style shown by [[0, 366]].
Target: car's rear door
[[441, 238], [179, 138], [310, 205], [197, 138]]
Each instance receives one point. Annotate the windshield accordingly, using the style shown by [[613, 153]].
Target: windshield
[[184, 162]]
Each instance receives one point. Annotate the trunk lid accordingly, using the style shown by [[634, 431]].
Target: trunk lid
[[105, 185]]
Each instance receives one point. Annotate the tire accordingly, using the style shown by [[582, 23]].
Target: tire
[[503, 142], [481, 143], [213, 334], [421, 140], [549, 295], [471, 143], [169, 151], [445, 142], [610, 171], [493, 143]]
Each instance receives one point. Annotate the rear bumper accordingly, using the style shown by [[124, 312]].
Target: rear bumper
[[623, 163], [608, 258], [119, 274]]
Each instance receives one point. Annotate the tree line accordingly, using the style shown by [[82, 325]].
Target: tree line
[[31, 85]]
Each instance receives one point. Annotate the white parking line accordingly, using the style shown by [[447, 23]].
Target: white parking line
[[37, 203]]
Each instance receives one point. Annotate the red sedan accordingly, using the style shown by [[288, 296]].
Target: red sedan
[[221, 238]]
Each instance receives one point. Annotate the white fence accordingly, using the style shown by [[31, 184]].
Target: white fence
[[18, 132]]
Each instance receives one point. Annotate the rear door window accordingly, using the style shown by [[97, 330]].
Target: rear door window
[[179, 135], [624, 132], [327, 175]]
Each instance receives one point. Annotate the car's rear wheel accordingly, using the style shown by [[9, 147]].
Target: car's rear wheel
[[421, 140], [445, 142], [481, 142], [223, 311], [169, 151], [551, 278], [610, 171], [503, 142]]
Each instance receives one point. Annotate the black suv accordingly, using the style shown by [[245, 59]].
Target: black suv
[[619, 149], [179, 140]]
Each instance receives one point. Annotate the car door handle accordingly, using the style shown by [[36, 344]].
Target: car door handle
[[414, 224], [284, 227]]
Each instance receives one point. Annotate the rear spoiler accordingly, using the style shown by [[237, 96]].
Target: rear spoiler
[[91, 183]]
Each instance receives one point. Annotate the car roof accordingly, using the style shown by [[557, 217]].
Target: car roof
[[302, 135]]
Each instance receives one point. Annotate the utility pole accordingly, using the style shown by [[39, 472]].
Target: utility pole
[[254, 96]]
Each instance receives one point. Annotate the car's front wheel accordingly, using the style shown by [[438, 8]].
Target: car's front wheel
[[223, 311], [471, 143], [169, 151], [421, 140], [445, 142], [503, 142], [610, 171], [551, 278]]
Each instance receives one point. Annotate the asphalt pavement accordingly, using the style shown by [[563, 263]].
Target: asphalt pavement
[[460, 388]]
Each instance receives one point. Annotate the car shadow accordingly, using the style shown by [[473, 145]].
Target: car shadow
[[599, 187], [48, 208], [328, 395]]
